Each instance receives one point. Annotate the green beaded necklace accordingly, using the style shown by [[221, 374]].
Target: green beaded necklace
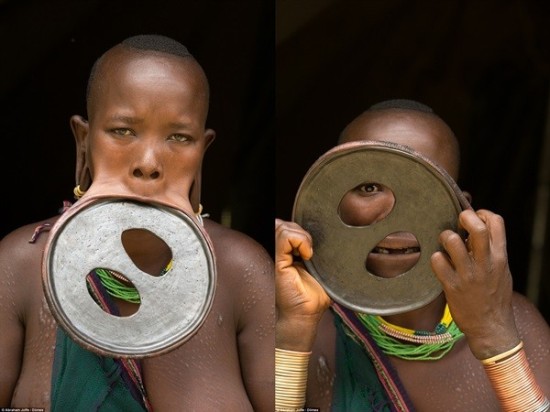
[[410, 344], [116, 288], [112, 281]]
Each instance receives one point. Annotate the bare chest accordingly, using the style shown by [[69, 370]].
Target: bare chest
[[33, 386], [454, 383]]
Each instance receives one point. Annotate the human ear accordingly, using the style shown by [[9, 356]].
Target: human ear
[[209, 136], [80, 128], [195, 191]]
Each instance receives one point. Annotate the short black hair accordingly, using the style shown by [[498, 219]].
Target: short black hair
[[146, 43], [403, 104], [158, 43]]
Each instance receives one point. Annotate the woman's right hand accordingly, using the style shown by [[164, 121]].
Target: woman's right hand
[[300, 299]]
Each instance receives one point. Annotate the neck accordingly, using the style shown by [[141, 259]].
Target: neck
[[424, 318]]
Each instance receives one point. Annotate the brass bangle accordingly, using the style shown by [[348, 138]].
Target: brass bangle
[[503, 355], [290, 379], [514, 383]]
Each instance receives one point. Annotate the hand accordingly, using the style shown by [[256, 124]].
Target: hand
[[477, 282], [301, 301]]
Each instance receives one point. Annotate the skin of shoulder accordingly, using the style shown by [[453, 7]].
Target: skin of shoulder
[[24, 317], [246, 263], [535, 334], [229, 363], [251, 278]]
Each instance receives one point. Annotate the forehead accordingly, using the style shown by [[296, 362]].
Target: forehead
[[422, 132], [145, 81], [126, 68]]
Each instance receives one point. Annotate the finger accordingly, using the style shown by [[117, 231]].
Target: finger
[[496, 229], [443, 268], [456, 249], [290, 233], [291, 239], [478, 234]]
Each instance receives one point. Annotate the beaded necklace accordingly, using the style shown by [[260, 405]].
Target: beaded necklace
[[413, 344], [115, 286]]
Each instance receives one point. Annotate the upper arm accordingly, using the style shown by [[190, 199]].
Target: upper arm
[[13, 332], [254, 287], [535, 333]]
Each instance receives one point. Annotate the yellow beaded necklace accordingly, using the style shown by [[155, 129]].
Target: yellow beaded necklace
[[413, 344]]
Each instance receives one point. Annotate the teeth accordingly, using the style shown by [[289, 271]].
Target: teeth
[[405, 251]]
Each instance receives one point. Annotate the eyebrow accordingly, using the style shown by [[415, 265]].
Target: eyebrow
[[179, 125], [125, 119], [136, 120]]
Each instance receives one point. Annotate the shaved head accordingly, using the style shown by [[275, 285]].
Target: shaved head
[[411, 124], [144, 45]]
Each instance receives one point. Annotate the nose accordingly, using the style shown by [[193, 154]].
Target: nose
[[146, 173], [147, 165]]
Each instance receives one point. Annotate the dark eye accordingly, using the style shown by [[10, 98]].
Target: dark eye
[[123, 131], [179, 138], [369, 188]]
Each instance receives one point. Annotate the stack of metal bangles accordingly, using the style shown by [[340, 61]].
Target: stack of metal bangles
[[514, 382], [290, 379], [509, 373]]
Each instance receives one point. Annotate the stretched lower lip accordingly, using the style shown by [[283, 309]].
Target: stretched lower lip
[[392, 264]]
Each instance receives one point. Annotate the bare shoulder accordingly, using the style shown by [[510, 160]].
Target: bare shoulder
[[21, 257], [24, 234], [237, 250], [24, 246], [535, 334], [532, 326], [245, 275], [528, 318]]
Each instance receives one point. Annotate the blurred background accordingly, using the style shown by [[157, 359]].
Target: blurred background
[[47, 51], [484, 67]]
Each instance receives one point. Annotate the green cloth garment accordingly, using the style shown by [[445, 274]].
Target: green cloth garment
[[356, 388], [83, 381], [365, 379]]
